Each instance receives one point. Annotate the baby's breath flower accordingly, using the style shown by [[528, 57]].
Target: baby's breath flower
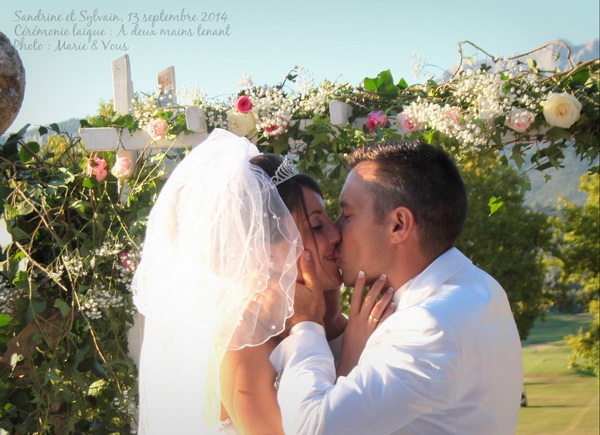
[[8, 296], [98, 300]]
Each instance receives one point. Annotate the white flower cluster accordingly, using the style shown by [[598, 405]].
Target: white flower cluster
[[55, 273], [447, 120], [98, 300], [126, 266], [145, 108], [125, 405], [74, 266], [316, 100], [484, 96], [273, 110], [216, 118], [8, 295], [191, 96], [483, 93], [108, 249], [418, 65], [245, 82]]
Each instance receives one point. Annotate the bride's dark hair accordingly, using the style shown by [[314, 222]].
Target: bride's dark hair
[[290, 190]]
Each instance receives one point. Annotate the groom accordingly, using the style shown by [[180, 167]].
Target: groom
[[448, 360]]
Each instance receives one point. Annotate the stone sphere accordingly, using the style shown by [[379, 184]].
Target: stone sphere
[[12, 83]]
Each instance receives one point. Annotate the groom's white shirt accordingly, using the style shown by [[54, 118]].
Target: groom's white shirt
[[448, 361]]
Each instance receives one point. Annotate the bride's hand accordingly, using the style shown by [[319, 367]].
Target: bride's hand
[[309, 303], [334, 321], [365, 317]]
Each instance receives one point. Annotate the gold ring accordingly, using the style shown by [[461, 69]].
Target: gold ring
[[373, 318]]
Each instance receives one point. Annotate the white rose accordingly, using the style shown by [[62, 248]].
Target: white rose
[[123, 168], [242, 124], [561, 110]]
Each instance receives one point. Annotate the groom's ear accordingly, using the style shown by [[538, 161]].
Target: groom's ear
[[402, 224]]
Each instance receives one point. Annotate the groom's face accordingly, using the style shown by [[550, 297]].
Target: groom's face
[[364, 244]]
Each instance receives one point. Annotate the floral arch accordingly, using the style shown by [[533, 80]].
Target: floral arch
[[74, 221]]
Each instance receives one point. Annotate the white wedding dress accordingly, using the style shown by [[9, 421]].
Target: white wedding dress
[[217, 272]]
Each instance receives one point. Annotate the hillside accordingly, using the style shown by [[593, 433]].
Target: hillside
[[564, 181]]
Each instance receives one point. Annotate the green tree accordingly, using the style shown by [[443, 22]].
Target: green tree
[[510, 243], [578, 251]]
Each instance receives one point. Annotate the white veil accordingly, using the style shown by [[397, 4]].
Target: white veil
[[218, 271]]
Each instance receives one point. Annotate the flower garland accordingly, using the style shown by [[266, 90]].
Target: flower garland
[[506, 102]]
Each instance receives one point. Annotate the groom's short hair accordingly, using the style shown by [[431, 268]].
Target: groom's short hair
[[422, 178]]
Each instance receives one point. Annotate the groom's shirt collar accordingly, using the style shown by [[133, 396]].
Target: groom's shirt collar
[[424, 284]]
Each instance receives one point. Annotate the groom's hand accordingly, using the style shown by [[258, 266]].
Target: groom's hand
[[309, 303]]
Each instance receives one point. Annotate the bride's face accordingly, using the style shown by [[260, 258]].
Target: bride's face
[[320, 236]]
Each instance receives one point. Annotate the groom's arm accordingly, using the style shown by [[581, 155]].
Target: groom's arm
[[405, 371], [305, 353]]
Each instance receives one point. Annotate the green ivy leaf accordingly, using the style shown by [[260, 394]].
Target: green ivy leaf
[[10, 149], [532, 64], [494, 204], [38, 305], [581, 76], [383, 84], [370, 84], [28, 150], [98, 369], [517, 156], [63, 307], [80, 205], [558, 133], [5, 319], [18, 234], [23, 208], [402, 84], [96, 387], [62, 178], [81, 353], [279, 146]]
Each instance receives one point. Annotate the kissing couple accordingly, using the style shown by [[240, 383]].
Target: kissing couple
[[239, 291]]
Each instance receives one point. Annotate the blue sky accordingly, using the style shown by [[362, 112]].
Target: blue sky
[[337, 39]]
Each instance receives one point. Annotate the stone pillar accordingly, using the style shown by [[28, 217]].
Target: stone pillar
[[12, 83]]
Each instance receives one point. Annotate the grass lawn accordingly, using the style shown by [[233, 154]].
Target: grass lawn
[[560, 400]]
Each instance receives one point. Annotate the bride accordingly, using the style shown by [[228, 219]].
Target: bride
[[216, 283]]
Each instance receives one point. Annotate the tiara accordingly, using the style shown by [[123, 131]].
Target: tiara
[[284, 172]]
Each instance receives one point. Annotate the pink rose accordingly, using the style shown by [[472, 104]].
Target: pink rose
[[243, 104], [406, 124], [454, 114], [375, 119], [123, 168], [157, 128], [96, 167], [519, 119]]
